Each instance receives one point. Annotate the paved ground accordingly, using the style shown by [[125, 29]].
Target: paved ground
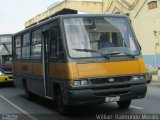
[[155, 79], [12, 102]]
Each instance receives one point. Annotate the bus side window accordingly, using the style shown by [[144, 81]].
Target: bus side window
[[56, 49], [60, 52], [18, 47], [26, 46], [53, 37], [36, 44]]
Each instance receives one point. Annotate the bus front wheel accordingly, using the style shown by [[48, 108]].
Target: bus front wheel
[[124, 104], [60, 105]]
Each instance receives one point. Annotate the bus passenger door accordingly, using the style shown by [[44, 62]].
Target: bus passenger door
[[56, 58], [45, 36], [53, 55]]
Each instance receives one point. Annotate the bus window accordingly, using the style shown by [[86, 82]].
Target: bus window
[[117, 36], [26, 46], [6, 59], [53, 42], [60, 52], [36, 44], [56, 44], [18, 47]]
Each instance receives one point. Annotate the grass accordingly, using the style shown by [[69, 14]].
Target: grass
[[155, 72]]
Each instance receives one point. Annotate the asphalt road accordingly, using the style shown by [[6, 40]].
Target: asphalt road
[[12, 103]]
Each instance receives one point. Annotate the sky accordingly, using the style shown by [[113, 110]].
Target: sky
[[14, 13]]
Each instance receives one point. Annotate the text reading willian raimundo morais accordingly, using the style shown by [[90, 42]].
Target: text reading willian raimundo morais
[[128, 117]]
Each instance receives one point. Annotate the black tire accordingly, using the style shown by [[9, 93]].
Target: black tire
[[124, 104], [63, 109], [10, 84], [28, 94]]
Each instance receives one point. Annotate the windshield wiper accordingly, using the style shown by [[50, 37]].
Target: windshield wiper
[[116, 53], [88, 50]]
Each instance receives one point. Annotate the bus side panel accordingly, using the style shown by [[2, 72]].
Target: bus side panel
[[36, 85], [142, 65], [18, 81], [32, 74], [63, 70]]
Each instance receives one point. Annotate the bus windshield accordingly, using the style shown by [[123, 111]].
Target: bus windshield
[[106, 35]]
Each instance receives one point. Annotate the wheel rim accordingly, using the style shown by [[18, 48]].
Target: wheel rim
[[60, 103]]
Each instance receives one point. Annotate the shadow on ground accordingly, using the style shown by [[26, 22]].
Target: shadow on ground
[[87, 112]]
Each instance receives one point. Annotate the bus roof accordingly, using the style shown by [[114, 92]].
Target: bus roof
[[67, 16], [1, 35]]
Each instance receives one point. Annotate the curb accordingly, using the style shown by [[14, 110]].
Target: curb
[[155, 81]]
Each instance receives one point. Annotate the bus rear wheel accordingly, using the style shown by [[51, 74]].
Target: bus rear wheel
[[124, 104], [60, 105], [28, 94]]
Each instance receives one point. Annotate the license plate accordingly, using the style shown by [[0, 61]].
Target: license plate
[[112, 99]]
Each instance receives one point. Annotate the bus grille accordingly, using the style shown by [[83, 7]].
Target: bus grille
[[10, 77], [106, 80], [9, 73]]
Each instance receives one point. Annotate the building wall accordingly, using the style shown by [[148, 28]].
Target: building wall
[[146, 24]]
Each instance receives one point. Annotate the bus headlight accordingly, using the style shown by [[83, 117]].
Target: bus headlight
[[142, 77], [1, 73], [135, 78], [139, 77], [80, 82], [76, 83], [84, 82]]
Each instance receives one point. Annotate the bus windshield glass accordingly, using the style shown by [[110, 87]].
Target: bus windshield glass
[[106, 35]]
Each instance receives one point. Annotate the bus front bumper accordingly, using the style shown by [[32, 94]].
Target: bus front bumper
[[97, 94], [6, 78]]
